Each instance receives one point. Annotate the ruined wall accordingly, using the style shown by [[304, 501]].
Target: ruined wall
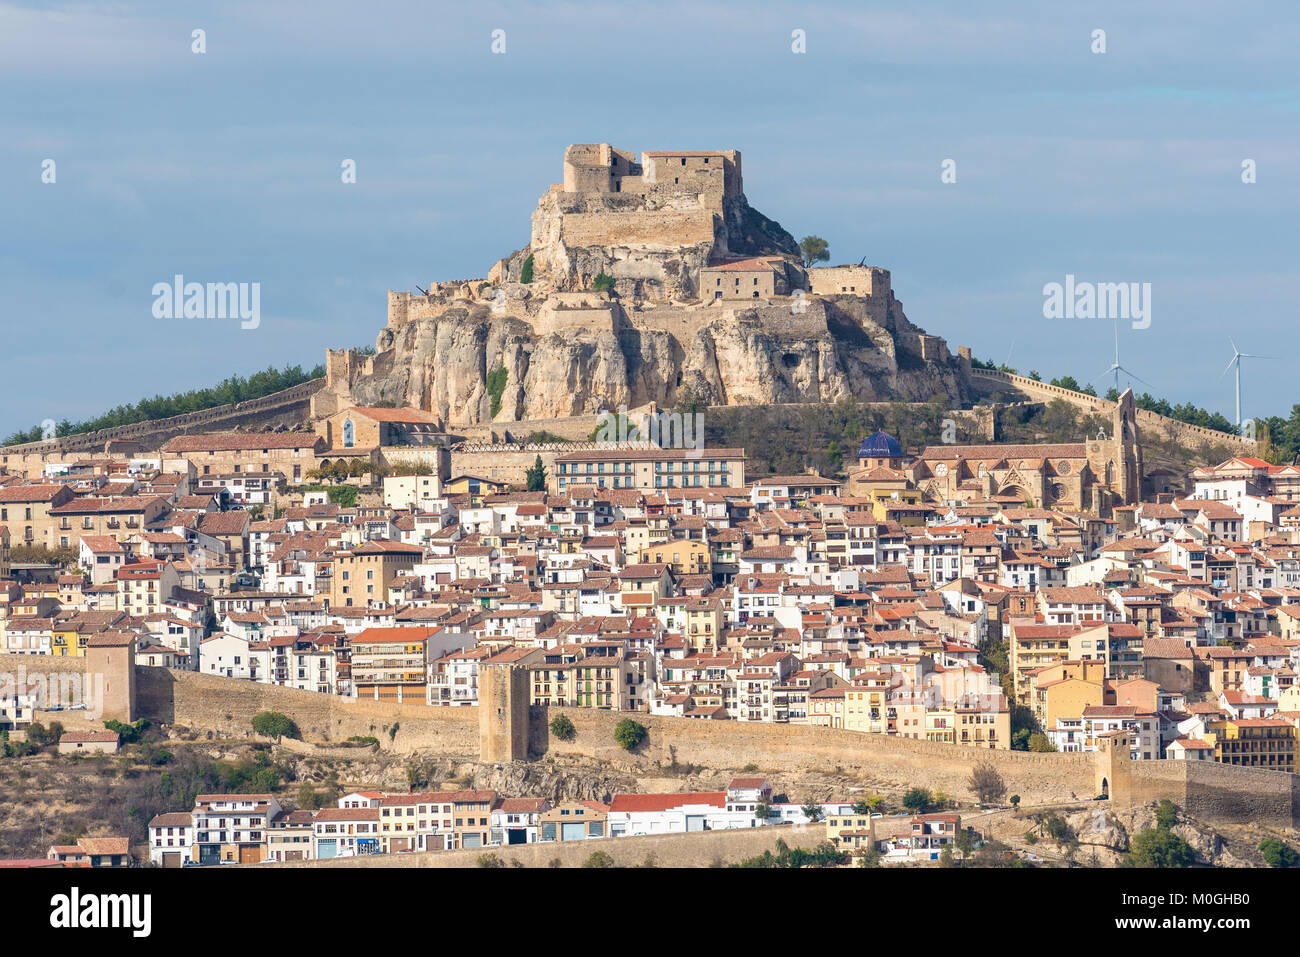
[[850, 280]]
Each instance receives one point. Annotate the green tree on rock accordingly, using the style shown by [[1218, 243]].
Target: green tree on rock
[[496, 387], [1158, 847], [1278, 853], [918, 800]]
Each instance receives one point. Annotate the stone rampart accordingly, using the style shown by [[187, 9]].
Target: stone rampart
[[1217, 793], [1211, 792], [990, 380], [288, 407], [227, 706]]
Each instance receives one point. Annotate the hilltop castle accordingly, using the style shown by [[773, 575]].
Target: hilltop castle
[[673, 227], [644, 279]]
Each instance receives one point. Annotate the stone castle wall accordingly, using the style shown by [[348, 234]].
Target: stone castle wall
[[661, 228], [1211, 792], [989, 380], [509, 464], [227, 706], [1216, 792], [291, 407]]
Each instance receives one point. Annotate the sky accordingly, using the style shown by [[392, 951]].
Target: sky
[[226, 166]]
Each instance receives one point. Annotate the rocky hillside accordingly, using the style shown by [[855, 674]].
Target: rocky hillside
[[756, 355]]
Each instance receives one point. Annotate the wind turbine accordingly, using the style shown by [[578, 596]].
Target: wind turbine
[[1237, 356], [1116, 368]]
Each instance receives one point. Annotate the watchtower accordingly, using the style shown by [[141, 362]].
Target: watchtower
[[110, 661], [503, 713]]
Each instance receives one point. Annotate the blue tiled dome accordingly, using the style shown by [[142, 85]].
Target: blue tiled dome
[[880, 445]]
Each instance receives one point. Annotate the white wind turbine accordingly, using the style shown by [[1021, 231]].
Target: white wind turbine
[[1115, 366], [1237, 356]]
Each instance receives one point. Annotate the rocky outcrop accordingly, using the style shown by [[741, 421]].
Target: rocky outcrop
[[754, 355], [1105, 836], [647, 230]]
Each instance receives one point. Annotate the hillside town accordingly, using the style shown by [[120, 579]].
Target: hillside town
[[685, 587]]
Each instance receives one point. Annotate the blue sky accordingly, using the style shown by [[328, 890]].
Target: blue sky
[[225, 166]]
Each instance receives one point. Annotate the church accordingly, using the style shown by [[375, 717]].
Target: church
[[1094, 475]]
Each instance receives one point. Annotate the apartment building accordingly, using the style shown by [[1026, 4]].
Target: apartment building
[[389, 664], [232, 827], [650, 469], [362, 576]]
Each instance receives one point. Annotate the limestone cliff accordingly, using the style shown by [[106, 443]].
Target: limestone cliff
[[751, 355]]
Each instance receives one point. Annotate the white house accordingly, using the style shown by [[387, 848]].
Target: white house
[[225, 655], [418, 493], [345, 832], [516, 820], [633, 815], [232, 827], [171, 839]]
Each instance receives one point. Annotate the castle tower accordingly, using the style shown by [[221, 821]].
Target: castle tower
[[1113, 767], [110, 666], [502, 713]]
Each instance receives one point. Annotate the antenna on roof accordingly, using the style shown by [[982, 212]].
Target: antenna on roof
[[862, 261]]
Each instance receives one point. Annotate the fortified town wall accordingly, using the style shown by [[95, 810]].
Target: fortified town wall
[[988, 381], [1211, 792], [291, 407]]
